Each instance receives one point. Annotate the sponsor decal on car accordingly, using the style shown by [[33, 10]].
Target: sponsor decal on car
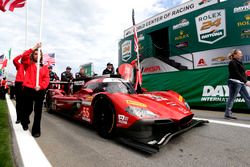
[[86, 103], [181, 98], [89, 98], [183, 110], [171, 103], [114, 80], [122, 119], [136, 103], [154, 97]]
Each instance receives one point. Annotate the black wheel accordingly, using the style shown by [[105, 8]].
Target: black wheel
[[104, 117], [48, 102]]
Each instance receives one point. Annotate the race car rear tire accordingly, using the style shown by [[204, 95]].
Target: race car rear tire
[[104, 117], [48, 102]]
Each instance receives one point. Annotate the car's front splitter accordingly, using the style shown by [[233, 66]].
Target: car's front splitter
[[150, 140]]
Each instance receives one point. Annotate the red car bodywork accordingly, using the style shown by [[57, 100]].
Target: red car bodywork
[[137, 113]]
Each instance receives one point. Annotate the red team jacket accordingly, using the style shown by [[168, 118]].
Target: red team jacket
[[30, 73], [19, 66]]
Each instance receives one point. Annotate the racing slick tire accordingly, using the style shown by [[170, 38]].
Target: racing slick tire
[[48, 102], [104, 117]]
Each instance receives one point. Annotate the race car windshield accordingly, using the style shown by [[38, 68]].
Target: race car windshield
[[114, 87]]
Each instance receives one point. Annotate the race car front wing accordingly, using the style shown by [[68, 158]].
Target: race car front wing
[[153, 143]]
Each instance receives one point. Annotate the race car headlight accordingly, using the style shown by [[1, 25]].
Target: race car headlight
[[140, 112], [186, 104]]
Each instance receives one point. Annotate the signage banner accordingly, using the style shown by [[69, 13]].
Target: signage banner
[[154, 65], [218, 57], [171, 14], [211, 58], [126, 50], [88, 69], [211, 26], [201, 88]]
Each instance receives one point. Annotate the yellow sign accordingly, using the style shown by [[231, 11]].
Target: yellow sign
[[89, 98], [182, 35], [136, 103], [208, 24], [181, 98]]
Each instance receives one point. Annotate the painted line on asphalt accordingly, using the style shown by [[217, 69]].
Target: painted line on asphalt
[[225, 123], [31, 153]]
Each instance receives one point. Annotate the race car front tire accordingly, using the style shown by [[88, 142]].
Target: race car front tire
[[104, 117]]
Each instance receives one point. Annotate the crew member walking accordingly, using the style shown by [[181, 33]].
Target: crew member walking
[[33, 93], [237, 82], [19, 83]]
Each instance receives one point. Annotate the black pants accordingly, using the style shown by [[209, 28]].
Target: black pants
[[33, 100], [12, 92], [2, 92], [66, 88], [19, 99]]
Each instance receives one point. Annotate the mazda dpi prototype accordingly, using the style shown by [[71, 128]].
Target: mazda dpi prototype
[[145, 121]]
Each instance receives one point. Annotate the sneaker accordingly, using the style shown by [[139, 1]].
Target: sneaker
[[230, 117]]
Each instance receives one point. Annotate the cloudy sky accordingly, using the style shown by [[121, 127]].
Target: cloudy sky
[[78, 31]]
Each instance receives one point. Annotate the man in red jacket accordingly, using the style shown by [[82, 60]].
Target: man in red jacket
[[19, 83], [32, 93]]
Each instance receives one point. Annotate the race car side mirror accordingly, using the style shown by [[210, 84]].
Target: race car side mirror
[[144, 90], [87, 90]]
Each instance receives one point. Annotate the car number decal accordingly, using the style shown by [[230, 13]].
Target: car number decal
[[85, 114]]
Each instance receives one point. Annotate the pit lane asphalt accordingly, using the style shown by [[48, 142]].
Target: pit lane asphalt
[[69, 144]]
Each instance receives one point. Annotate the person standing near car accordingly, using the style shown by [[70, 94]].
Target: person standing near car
[[52, 75], [109, 69], [67, 76], [237, 82], [79, 80], [80, 75], [34, 95], [19, 83]]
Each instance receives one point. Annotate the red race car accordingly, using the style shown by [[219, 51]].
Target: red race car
[[145, 121]]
